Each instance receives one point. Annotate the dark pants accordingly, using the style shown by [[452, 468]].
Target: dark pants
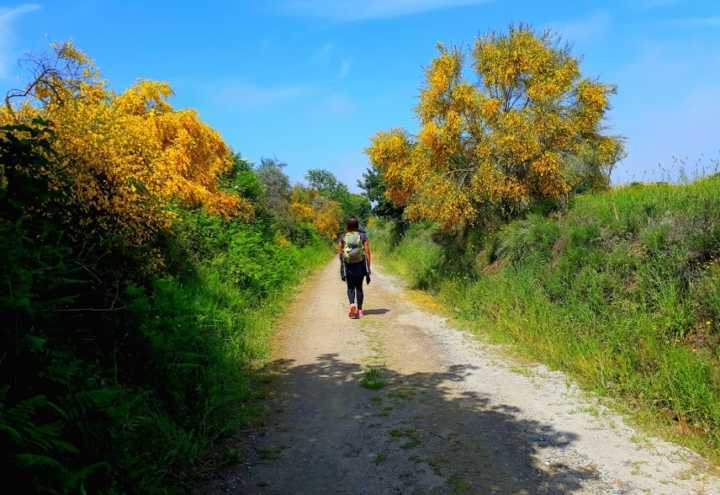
[[355, 289], [354, 275]]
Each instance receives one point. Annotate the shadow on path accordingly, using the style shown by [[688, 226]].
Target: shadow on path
[[422, 433], [377, 311]]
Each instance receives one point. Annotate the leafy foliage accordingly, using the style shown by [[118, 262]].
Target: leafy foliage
[[142, 271], [276, 184], [328, 186], [375, 191], [326, 183]]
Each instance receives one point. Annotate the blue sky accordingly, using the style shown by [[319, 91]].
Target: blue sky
[[308, 81]]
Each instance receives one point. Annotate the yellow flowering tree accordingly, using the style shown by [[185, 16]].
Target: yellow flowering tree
[[128, 155], [308, 205], [499, 145], [301, 200], [328, 216]]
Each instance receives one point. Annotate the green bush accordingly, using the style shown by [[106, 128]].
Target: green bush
[[534, 236], [412, 253]]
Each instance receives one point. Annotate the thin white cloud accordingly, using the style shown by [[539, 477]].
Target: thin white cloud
[[584, 29], [345, 66], [328, 55], [353, 10], [8, 15], [243, 95], [710, 21], [323, 53], [338, 104], [654, 4]]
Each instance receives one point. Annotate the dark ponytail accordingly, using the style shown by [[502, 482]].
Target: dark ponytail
[[352, 225]]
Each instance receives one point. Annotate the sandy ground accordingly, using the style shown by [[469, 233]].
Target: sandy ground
[[455, 415]]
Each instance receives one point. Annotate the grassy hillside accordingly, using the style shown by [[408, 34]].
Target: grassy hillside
[[622, 291]]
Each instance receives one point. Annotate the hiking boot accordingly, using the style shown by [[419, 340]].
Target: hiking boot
[[353, 311]]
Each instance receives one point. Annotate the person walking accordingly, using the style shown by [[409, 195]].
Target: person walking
[[355, 262]]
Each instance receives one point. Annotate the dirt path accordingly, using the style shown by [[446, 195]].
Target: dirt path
[[454, 416]]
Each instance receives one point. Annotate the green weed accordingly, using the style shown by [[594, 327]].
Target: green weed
[[269, 453], [410, 434], [372, 379], [458, 484]]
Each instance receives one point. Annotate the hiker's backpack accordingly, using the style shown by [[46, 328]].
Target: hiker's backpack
[[353, 249]]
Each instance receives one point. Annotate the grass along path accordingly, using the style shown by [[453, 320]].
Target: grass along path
[[443, 414]]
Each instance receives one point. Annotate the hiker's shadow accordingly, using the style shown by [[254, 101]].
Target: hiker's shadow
[[376, 311], [417, 433]]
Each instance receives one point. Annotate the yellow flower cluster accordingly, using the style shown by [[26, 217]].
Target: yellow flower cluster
[[302, 211], [393, 148], [128, 155], [307, 205], [327, 218], [501, 144]]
